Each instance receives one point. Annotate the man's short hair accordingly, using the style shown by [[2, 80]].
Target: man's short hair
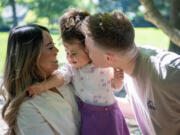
[[111, 30]]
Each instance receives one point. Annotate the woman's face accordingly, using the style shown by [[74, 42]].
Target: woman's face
[[48, 61]]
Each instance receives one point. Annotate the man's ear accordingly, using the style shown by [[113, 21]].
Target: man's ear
[[110, 58]]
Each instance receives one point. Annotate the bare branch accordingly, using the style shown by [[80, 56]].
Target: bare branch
[[154, 16]]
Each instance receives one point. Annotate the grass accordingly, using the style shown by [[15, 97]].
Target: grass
[[144, 36], [151, 36], [3, 45]]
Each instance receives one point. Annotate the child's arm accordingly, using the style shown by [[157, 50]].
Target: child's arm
[[55, 80], [117, 81]]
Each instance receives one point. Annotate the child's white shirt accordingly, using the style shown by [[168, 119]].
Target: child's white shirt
[[92, 84]]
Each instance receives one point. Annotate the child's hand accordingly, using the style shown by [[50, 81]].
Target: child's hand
[[35, 89], [117, 81]]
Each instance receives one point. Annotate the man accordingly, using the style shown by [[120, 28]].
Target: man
[[152, 76]]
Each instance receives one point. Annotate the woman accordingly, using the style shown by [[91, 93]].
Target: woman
[[31, 58]]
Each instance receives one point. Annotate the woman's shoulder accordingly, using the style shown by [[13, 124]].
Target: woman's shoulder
[[26, 108], [30, 104], [27, 112], [26, 103]]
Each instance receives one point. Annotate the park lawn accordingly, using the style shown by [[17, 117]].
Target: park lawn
[[3, 45], [144, 36], [151, 36]]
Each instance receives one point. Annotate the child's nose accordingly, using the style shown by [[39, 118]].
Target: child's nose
[[86, 50]]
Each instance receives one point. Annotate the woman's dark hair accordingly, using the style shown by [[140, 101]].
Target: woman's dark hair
[[21, 68]]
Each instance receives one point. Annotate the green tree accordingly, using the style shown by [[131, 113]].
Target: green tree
[[132, 9], [54, 8], [158, 12], [13, 5], [49, 8], [175, 21]]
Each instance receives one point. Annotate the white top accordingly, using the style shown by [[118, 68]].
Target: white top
[[154, 92], [49, 114], [92, 84]]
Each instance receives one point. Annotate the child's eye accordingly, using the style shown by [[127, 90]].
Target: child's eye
[[73, 53]]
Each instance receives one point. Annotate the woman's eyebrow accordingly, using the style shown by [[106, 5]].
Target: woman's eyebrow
[[48, 43]]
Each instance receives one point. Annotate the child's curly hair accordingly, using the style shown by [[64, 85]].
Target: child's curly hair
[[70, 24]]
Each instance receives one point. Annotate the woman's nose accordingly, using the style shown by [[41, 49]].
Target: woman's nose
[[56, 50]]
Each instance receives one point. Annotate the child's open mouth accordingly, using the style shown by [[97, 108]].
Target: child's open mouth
[[73, 62]]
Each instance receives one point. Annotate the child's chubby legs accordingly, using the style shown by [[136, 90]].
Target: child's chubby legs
[[101, 120]]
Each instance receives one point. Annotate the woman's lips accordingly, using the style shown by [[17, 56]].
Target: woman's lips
[[55, 61]]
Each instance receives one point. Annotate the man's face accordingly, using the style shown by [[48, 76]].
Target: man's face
[[97, 55]]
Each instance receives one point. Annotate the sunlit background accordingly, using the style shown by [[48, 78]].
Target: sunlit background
[[47, 13]]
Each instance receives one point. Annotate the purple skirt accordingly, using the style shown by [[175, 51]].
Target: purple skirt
[[101, 120]]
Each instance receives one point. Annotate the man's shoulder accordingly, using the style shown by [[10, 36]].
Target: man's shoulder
[[159, 56], [158, 63], [149, 50]]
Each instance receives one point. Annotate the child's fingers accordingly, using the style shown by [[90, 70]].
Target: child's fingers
[[29, 91], [38, 91], [119, 75], [118, 69], [30, 94], [33, 95], [32, 91]]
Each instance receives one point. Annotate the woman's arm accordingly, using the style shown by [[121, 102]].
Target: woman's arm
[[31, 122]]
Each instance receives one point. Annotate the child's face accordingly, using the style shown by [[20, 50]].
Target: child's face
[[76, 55]]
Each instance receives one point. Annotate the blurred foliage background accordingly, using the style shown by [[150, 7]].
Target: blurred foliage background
[[47, 13]]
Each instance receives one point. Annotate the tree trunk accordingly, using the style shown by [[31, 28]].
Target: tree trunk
[[154, 16], [12, 3], [175, 20]]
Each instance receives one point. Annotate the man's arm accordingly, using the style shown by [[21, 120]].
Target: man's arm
[[125, 107]]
